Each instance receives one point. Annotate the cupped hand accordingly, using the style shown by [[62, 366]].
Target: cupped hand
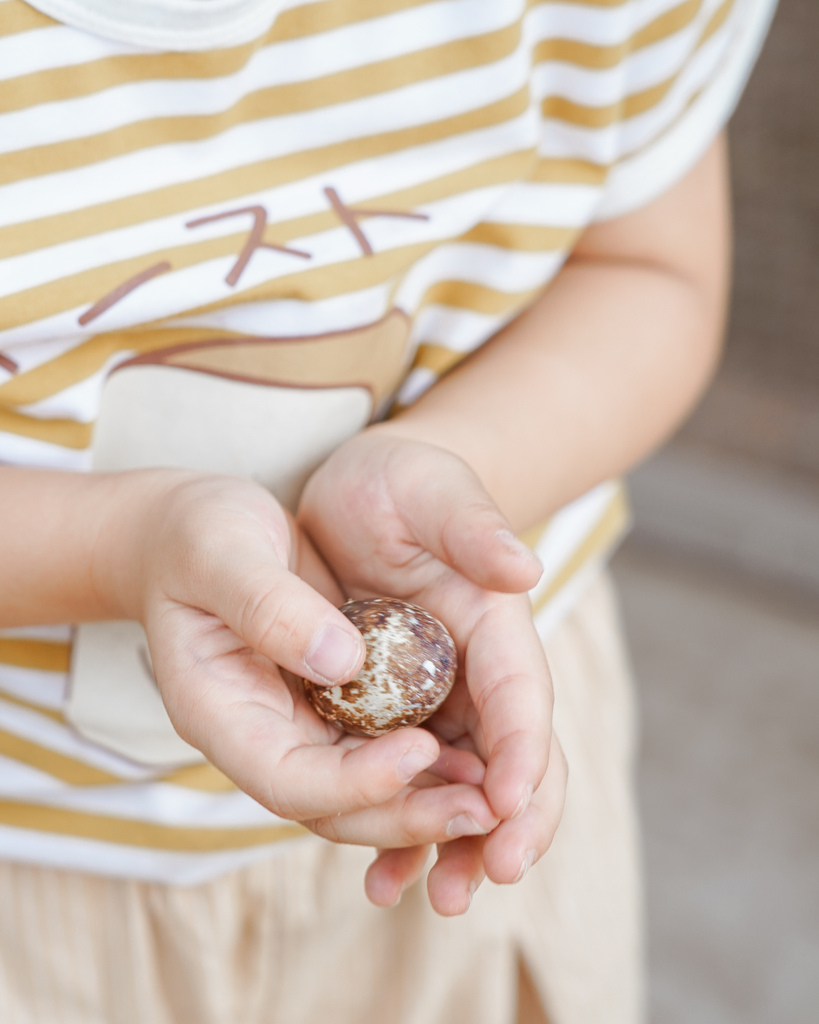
[[237, 607], [407, 519]]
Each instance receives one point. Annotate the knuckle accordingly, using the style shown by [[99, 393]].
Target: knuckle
[[327, 827], [263, 618]]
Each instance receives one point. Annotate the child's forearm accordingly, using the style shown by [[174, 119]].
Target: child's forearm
[[64, 540], [604, 365]]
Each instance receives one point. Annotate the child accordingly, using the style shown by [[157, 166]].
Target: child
[[233, 237]]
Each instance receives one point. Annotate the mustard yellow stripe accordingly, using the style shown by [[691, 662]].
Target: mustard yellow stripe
[[87, 287], [585, 116], [65, 83], [43, 655], [202, 777], [610, 527], [437, 358], [84, 79], [476, 298], [308, 286], [67, 433], [67, 769], [241, 181], [569, 172], [275, 101], [667, 24], [718, 19], [18, 17], [146, 835], [522, 237], [597, 57], [89, 356], [54, 715], [326, 15]]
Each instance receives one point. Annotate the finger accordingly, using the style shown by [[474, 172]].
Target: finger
[[455, 876], [308, 565], [452, 516], [392, 872], [510, 687], [456, 765], [281, 616], [414, 817], [239, 712], [515, 845]]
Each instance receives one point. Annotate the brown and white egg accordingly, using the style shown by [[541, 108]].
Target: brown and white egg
[[407, 674]]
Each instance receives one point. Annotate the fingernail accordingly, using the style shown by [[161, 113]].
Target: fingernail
[[473, 888], [414, 761], [332, 654], [517, 547], [526, 863], [464, 825], [524, 801]]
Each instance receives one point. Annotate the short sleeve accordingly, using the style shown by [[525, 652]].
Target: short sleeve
[[658, 145]]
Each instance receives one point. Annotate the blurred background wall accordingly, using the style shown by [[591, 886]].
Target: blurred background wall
[[720, 593]]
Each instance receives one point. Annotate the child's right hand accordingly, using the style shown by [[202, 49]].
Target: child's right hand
[[234, 599]]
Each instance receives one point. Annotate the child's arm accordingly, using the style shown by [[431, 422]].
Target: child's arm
[[228, 590], [607, 362], [576, 390]]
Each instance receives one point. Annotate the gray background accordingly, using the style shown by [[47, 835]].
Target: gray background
[[719, 585]]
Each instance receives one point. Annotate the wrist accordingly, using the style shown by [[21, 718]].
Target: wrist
[[135, 506], [474, 439]]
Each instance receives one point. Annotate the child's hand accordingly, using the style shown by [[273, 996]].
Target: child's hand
[[409, 520], [230, 594]]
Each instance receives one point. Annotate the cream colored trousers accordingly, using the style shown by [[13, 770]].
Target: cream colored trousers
[[292, 940]]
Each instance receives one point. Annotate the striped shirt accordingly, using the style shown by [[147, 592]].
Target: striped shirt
[[281, 221]]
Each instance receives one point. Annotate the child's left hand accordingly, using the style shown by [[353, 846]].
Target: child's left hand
[[405, 519]]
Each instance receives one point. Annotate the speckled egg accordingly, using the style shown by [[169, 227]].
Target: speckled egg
[[407, 674]]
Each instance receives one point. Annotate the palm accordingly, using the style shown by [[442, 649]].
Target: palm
[[411, 521]]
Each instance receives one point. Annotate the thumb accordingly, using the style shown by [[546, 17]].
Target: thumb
[[285, 619], [452, 516]]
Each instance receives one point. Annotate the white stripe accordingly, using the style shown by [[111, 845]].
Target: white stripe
[[55, 46], [363, 180], [544, 205], [567, 529], [479, 264], [55, 634], [294, 318], [162, 166], [415, 384], [80, 401], [459, 329], [48, 689], [616, 141], [643, 69], [324, 54], [61, 739], [291, 62], [638, 132], [156, 804], [120, 861], [18, 450], [648, 173]]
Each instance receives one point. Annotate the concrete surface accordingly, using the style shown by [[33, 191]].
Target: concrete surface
[[728, 672]]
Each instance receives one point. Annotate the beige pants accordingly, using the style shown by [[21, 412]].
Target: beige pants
[[293, 940]]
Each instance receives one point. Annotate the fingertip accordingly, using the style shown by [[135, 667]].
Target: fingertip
[[380, 887], [454, 879], [335, 654], [521, 564], [418, 758]]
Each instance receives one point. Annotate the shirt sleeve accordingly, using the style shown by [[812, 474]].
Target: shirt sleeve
[[683, 113]]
